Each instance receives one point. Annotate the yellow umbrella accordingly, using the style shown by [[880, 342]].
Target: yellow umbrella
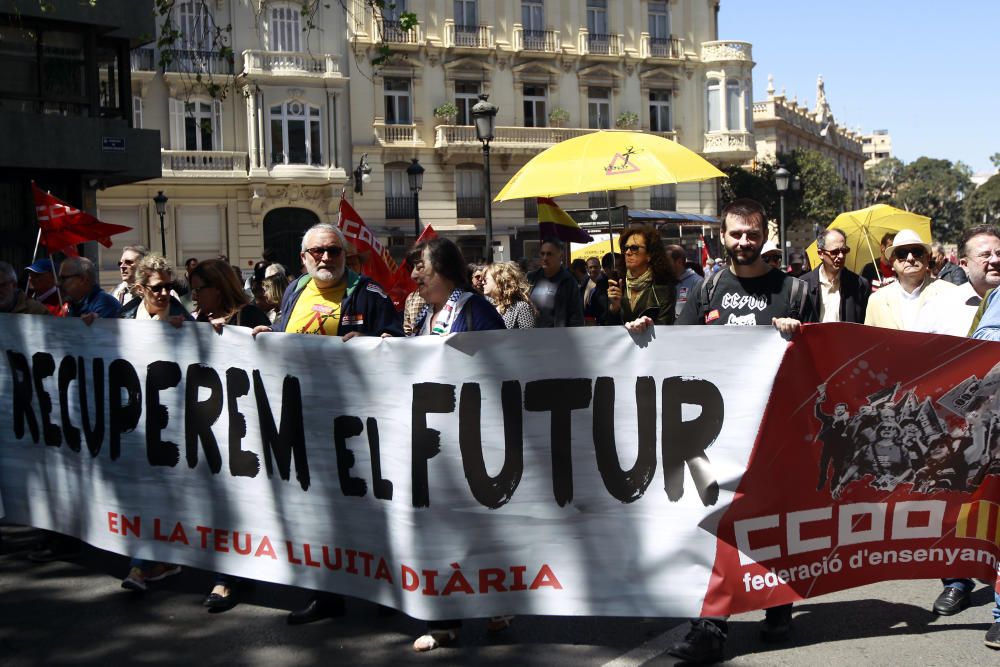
[[865, 229], [607, 160], [596, 249]]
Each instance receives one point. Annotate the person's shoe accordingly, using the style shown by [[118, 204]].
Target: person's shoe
[[135, 581], [993, 635], [498, 623], [320, 607], [951, 601], [221, 598], [434, 639], [160, 571], [776, 624], [704, 642]]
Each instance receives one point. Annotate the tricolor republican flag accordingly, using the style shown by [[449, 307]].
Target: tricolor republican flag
[[553, 222]]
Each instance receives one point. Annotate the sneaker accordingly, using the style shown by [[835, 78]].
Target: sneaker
[[135, 581], [704, 642], [993, 636], [776, 624], [160, 571]]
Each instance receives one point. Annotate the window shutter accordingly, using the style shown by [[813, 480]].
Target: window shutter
[[137, 112], [177, 141], [217, 125]]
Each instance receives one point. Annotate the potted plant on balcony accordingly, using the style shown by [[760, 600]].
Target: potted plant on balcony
[[446, 113], [558, 117], [627, 120]]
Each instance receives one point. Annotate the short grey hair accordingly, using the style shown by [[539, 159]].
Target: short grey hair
[[7, 270], [83, 266], [821, 238], [325, 227], [140, 250]]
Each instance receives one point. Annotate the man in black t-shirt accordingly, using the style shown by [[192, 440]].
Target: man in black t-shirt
[[749, 292]]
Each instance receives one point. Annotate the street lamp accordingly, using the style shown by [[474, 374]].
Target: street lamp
[[362, 175], [160, 201], [782, 177], [484, 115], [415, 174]]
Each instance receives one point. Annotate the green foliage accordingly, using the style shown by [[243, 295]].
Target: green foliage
[[983, 205], [995, 159], [936, 188], [822, 194], [882, 181], [756, 183], [558, 116], [446, 110], [627, 119]]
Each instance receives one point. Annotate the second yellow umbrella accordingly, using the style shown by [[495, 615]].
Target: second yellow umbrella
[[866, 227]]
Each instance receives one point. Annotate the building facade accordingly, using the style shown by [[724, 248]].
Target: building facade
[[876, 146], [250, 172]]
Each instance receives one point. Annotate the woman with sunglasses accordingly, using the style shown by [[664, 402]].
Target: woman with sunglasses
[[221, 299], [154, 284], [646, 294]]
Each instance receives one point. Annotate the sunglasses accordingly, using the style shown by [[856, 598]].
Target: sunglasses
[[918, 252], [64, 278], [633, 248], [318, 252], [837, 252], [772, 258], [159, 289]]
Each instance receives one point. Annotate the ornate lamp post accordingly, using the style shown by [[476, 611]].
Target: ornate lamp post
[[782, 178], [415, 174], [484, 115], [160, 201]]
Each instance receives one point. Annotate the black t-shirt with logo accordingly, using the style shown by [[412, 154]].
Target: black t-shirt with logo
[[739, 301]]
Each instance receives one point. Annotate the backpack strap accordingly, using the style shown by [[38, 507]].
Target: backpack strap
[[708, 286], [797, 298]]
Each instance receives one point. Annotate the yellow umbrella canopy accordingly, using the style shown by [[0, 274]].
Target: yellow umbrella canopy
[[596, 249], [607, 160], [865, 229]]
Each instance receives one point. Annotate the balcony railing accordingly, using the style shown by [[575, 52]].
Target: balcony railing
[[726, 50], [729, 144], [196, 62], [666, 135], [290, 63], [545, 41], [470, 207], [225, 163], [660, 47], [600, 44], [387, 134], [663, 203], [601, 199], [465, 136], [143, 60], [399, 207], [470, 36], [392, 33]]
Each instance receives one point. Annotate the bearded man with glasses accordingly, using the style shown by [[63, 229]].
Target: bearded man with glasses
[[837, 293], [899, 305]]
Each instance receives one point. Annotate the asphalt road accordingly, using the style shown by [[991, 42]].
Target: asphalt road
[[75, 613]]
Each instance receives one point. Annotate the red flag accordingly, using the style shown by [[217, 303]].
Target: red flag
[[63, 226], [378, 265], [704, 250], [402, 283]]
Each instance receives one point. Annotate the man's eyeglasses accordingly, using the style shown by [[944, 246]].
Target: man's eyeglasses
[[918, 252], [318, 252], [842, 252], [987, 256], [633, 248], [772, 259], [63, 279], [159, 289]]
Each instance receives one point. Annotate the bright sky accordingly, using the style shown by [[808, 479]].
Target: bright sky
[[925, 71]]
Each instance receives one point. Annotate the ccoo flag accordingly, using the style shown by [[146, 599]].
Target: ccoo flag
[[379, 265], [62, 227], [553, 222]]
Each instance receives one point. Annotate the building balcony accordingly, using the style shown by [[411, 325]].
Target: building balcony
[[399, 207], [397, 135], [470, 207], [729, 146], [204, 164], [537, 41], [598, 44], [666, 135], [190, 61], [295, 64], [669, 48], [462, 138], [467, 36], [726, 51], [143, 59]]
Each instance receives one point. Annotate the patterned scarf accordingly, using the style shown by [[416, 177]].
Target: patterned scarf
[[446, 317], [636, 286]]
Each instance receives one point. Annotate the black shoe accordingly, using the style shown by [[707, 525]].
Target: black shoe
[[993, 636], [216, 602], [951, 601], [320, 607], [704, 642], [776, 624]]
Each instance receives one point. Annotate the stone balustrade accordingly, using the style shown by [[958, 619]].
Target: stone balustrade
[[222, 163], [388, 135], [726, 50], [291, 62]]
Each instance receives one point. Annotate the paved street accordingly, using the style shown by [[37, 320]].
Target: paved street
[[75, 613]]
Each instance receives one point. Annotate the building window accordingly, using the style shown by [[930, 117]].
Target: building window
[[597, 17], [533, 24], [713, 105], [296, 137], [397, 102], [466, 96], [748, 105], [663, 197], [601, 199], [466, 23], [659, 111], [194, 26], [196, 125], [531, 207], [599, 107], [469, 192], [137, 112], [734, 107], [398, 198], [285, 31], [534, 105]]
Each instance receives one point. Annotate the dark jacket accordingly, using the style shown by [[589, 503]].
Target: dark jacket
[[597, 309], [658, 302], [366, 307], [854, 293], [98, 301], [248, 316], [568, 307], [952, 273], [130, 309], [477, 314]]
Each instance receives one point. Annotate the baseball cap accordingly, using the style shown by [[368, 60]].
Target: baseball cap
[[41, 266]]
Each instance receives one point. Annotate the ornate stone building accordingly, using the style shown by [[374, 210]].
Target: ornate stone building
[[253, 170]]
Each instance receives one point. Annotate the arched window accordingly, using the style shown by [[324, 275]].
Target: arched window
[[296, 137]]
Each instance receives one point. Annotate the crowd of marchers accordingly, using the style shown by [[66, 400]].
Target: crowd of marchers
[[911, 286]]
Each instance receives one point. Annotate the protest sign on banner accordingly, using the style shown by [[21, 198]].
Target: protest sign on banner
[[481, 474]]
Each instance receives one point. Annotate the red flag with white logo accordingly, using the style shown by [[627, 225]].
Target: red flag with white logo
[[378, 264], [63, 227], [402, 282]]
